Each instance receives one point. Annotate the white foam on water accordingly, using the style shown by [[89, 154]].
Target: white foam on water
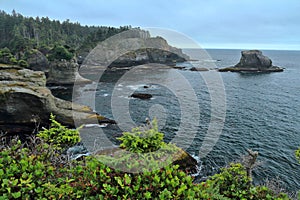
[[95, 125]]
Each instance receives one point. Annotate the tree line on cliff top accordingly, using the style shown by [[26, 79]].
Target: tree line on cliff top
[[20, 34]]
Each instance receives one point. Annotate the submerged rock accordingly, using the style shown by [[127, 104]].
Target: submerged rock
[[26, 102], [253, 61]]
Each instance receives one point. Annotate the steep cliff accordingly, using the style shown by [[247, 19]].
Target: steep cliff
[[26, 102], [64, 73], [133, 47]]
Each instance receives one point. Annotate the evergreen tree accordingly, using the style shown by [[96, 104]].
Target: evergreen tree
[[20, 33]]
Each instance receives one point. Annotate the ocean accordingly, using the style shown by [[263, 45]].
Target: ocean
[[214, 116]]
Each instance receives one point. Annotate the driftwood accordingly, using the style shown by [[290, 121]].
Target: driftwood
[[249, 161]]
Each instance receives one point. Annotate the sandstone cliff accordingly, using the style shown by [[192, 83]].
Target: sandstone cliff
[[26, 102], [133, 47], [64, 73]]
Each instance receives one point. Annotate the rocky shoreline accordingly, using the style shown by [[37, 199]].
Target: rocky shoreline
[[26, 103], [25, 92], [131, 48]]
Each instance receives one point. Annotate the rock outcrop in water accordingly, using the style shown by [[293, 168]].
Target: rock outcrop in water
[[199, 69], [59, 72], [25, 102], [131, 48], [141, 96], [253, 61], [148, 55]]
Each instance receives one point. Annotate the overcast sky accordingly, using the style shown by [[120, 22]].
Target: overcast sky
[[241, 24]]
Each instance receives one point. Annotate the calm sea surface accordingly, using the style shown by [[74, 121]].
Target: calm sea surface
[[262, 111]]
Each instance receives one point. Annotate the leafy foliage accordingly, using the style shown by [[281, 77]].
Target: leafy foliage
[[58, 135], [24, 171], [233, 183], [23, 63], [142, 139], [6, 57], [35, 170], [60, 52]]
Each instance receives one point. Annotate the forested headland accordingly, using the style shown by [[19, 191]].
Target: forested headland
[[55, 39]]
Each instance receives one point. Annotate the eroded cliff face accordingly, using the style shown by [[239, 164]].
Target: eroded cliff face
[[65, 73], [132, 48], [148, 55], [37, 61], [25, 102]]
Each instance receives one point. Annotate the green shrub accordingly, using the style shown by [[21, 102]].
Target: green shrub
[[143, 149], [13, 61], [35, 170], [233, 183], [25, 171], [60, 52], [142, 139], [5, 51], [6, 57], [97, 180], [58, 135], [23, 63]]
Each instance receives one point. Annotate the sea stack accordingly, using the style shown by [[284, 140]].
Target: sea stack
[[253, 61]]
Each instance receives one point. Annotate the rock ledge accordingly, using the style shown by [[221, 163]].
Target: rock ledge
[[26, 102]]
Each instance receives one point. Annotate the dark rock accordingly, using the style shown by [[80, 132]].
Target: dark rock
[[199, 69], [141, 96], [26, 102], [148, 55], [186, 162], [253, 61], [37, 61], [179, 67], [146, 86]]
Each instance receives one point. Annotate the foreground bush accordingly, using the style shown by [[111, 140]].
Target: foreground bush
[[37, 170], [234, 183], [58, 135]]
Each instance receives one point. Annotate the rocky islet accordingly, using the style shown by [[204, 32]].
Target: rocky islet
[[253, 61]]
